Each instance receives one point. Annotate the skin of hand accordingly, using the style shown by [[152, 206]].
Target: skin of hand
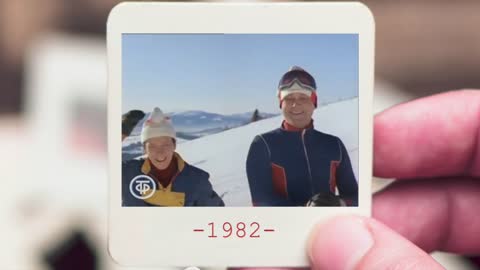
[[432, 147]]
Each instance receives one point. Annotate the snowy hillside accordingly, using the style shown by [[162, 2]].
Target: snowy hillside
[[189, 125], [224, 154]]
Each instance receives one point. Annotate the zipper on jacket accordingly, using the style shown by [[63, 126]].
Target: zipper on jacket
[[308, 162], [159, 185]]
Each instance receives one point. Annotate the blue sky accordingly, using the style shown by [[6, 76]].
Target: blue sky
[[231, 73]]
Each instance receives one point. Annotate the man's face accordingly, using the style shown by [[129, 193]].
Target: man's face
[[160, 151], [297, 109]]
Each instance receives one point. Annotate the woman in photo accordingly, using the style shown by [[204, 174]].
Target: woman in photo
[[176, 183]]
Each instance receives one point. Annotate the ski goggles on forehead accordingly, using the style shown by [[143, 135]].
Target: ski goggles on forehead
[[302, 78]]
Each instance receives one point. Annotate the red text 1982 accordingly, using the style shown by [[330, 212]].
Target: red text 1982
[[234, 230]]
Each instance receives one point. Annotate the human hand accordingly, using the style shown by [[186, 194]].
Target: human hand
[[432, 146]]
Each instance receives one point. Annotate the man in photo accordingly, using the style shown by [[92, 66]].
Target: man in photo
[[177, 183], [288, 166]]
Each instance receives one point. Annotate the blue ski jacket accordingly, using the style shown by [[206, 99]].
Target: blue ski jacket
[[287, 168], [190, 186]]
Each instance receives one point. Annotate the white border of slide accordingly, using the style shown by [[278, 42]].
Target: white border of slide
[[151, 236]]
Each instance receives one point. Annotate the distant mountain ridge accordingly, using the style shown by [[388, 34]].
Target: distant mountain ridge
[[196, 123]]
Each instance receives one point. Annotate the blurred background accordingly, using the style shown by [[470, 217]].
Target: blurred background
[[53, 78]]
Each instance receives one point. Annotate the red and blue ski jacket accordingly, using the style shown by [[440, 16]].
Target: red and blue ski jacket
[[287, 168]]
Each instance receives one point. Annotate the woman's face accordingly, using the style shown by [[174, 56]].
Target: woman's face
[[160, 151]]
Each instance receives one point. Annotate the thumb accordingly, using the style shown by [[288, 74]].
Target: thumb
[[358, 243]]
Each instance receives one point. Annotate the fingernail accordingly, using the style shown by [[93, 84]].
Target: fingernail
[[340, 244]]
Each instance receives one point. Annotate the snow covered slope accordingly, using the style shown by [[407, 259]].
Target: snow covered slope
[[224, 154]]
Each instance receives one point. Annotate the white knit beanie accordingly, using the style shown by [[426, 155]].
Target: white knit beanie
[[157, 125]]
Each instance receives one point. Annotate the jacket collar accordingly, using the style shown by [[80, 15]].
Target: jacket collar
[[287, 127]]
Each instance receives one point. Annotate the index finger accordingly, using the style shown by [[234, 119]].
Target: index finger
[[429, 137]]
